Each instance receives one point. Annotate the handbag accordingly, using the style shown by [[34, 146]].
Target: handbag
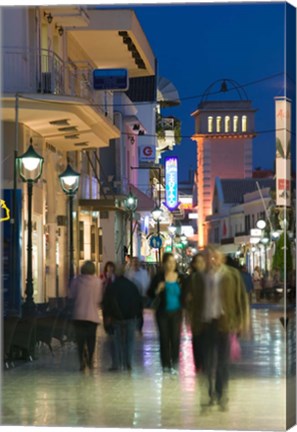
[[235, 349]]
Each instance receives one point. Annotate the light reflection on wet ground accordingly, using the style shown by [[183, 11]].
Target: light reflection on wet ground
[[52, 392]]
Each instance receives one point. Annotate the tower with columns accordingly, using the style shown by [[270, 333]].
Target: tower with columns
[[224, 132]]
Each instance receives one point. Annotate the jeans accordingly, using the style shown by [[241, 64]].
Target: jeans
[[85, 332], [169, 325], [215, 359], [124, 338]]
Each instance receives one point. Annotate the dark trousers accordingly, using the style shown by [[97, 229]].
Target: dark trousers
[[124, 339], [169, 325], [197, 350], [215, 359], [85, 332]]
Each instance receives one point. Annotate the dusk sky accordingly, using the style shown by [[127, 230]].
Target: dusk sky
[[198, 44]]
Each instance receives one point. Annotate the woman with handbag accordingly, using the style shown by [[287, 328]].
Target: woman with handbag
[[167, 294]]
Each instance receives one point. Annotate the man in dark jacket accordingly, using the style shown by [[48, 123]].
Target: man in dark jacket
[[122, 305]]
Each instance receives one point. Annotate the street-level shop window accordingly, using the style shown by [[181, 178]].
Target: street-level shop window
[[210, 124], [227, 124], [244, 123]]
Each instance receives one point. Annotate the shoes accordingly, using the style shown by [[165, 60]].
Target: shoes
[[223, 404]]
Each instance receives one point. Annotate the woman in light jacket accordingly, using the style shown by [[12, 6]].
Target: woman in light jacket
[[86, 292]]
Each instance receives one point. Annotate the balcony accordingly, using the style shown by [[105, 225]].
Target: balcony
[[168, 132], [44, 72]]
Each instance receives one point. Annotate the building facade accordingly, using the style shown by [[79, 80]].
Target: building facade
[[48, 96], [224, 132]]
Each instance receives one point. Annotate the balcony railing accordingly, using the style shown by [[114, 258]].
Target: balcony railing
[[43, 71]]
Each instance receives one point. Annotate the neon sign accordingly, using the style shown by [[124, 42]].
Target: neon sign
[[171, 181]]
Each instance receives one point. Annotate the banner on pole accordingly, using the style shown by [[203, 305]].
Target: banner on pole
[[283, 151]]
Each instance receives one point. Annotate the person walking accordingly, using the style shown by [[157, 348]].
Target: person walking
[[257, 280], [86, 294], [108, 277], [223, 310], [166, 291], [140, 277], [195, 289], [123, 305]]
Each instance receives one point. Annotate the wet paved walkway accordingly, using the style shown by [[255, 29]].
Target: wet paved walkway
[[50, 391]]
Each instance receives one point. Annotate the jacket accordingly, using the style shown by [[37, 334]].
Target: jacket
[[86, 292], [235, 304], [151, 293], [122, 300]]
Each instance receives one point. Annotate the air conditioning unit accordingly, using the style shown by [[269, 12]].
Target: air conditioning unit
[[46, 82]]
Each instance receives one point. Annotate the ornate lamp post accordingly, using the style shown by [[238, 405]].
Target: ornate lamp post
[[69, 180], [157, 214], [130, 204], [172, 230], [30, 169]]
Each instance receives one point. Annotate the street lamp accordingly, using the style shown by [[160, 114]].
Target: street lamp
[[261, 224], [69, 180], [157, 214], [30, 169], [131, 205]]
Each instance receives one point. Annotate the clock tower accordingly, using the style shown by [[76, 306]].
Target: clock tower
[[224, 132]]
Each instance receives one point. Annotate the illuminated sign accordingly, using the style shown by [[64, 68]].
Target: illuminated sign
[[283, 151], [5, 210], [171, 181]]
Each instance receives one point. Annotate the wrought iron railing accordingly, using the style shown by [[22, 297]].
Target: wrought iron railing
[[43, 71]]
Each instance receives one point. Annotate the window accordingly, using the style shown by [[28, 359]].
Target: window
[[219, 124], [235, 124], [247, 224], [210, 124], [253, 221], [244, 123], [227, 124]]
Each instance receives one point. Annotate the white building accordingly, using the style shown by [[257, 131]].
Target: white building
[[48, 55]]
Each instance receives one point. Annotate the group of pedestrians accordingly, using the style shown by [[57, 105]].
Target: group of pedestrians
[[213, 297]]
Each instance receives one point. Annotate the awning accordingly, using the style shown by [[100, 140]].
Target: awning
[[100, 205], [145, 203]]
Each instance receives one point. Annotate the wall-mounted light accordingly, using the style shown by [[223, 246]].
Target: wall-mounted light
[[48, 17], [60, 30]]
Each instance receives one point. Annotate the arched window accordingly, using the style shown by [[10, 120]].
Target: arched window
[[219, 124], [227, 124], [244, 123], [210, 124], [235, 124]]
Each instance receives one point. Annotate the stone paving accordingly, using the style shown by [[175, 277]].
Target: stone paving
[[51, 392]]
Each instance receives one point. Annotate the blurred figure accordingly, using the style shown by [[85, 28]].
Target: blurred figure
[[166, 291], [123, 305], [224, 310], [140, 277], [127, 262], [86, 293], [276, 277], [248, 281], [198, 263], [194, 299], [108, 275], [257, 280]]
